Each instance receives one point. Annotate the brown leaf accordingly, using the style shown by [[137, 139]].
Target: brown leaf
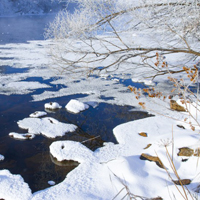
[[148, 145], [143, 134]]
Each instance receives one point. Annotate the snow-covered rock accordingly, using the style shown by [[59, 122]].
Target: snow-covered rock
[[52, 106], [76, 106], [1, 157], [70, 150], [20, 136], [38, 114]]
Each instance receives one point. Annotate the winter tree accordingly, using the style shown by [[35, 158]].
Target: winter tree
[[104, 35]]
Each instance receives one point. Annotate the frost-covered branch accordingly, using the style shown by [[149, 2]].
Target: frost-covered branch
[[109, 33]]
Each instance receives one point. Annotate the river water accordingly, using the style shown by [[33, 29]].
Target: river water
[[31, 158]]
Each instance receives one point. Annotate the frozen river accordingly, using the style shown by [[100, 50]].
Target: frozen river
[[31, 158]]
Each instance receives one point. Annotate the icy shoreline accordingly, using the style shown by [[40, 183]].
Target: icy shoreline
[[102, 174]]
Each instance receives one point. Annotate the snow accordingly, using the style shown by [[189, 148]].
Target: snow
[[38, 114], [1, 157], [19, 136], [13, 187], [51, 183], [121, 162], [22, 87], [70, 150], [52, 106], [104, 173], [47, 126], [76, 106]]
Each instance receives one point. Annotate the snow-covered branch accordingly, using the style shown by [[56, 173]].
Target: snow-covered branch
[[119, 31]]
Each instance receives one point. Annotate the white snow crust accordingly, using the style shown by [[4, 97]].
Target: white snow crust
[[76, 106], [52, 106], [47, 126], [1, 157], [51, 183], [20, 136], [13, 187], [38, 114]]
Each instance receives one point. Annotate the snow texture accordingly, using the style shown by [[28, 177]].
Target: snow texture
[[52, 106], [1, 157], [47, 126], [76, 106], [13, 187], [38, 114], [20, 136]]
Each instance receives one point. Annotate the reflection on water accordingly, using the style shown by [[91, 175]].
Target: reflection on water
[[31, 158]]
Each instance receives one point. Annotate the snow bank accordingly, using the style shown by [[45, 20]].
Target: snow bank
[[76, 106], [120, 165], [13, 187]]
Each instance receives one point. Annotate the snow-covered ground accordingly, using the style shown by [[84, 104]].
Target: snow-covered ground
[[114, 170]]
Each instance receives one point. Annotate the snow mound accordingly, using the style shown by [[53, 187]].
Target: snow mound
[[38, 114], [47, 126], [70, 150], [19, 136], [13, 187], [76, 106], [52, 106]]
